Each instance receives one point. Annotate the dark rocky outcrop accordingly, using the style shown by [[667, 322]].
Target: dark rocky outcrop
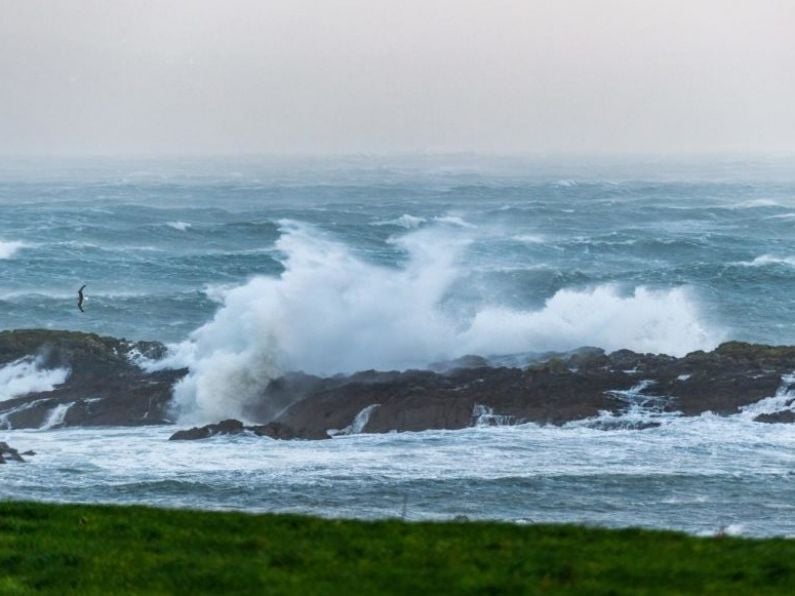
[[104, 386], [274, 430], [560, 389]]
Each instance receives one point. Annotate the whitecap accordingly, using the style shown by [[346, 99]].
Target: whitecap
[[454, 220], [755, 203], [179, 225], [9, 248], [404, 221], [764, 260], [529, 238]]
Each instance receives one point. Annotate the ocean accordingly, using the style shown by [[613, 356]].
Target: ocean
[[250, 267]]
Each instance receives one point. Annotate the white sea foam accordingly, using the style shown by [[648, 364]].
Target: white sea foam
[[359, 422], [405, 221], [783, 400], [755, 203], [529, 238], [485, 416], [27, 375], [331, 311], [56, 416], [764, 260], [9, 248], [178, 225]]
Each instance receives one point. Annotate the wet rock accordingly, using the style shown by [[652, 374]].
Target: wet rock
[[279, 430], [274, 430], [225, 427], [624, 425], [563, 388], [783, 417]]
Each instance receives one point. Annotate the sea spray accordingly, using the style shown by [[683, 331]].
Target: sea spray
[[331, 311], [642, 320], [28, 375]]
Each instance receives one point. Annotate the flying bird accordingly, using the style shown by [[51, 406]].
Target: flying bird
[[80, 298]]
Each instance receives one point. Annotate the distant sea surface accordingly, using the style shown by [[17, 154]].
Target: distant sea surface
[[337, 265]]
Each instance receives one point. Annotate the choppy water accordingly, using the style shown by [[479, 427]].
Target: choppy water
[[340, 265]]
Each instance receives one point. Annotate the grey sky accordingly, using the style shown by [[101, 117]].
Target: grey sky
[[286, 76]]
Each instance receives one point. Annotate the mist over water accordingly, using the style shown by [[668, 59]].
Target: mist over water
[[252, 268]]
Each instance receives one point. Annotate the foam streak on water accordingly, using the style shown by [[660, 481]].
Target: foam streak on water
[[695, 474]]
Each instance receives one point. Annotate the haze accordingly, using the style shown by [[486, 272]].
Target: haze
[[342, 76]]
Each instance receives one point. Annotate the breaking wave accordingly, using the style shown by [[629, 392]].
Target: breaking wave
[[330, 311], [404, 221], [27, 375]]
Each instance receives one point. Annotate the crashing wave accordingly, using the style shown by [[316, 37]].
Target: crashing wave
[[330, 311]]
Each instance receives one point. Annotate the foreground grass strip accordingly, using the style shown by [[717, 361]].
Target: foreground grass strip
[[82, 549]]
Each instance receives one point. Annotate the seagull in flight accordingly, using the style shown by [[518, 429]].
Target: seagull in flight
[[80, 298]]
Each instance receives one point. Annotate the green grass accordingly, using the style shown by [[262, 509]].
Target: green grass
[[84, 549]]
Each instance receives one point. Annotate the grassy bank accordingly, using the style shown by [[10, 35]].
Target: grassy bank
[[100, 550]]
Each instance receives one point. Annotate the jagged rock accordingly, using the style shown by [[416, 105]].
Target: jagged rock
[[104, 386], [560, 389]]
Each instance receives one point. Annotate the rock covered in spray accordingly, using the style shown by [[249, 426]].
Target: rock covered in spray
[[98, 380]]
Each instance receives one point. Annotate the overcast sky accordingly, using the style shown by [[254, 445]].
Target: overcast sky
[[341, 76]]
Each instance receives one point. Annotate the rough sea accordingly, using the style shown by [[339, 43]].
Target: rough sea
[[248, 267]]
